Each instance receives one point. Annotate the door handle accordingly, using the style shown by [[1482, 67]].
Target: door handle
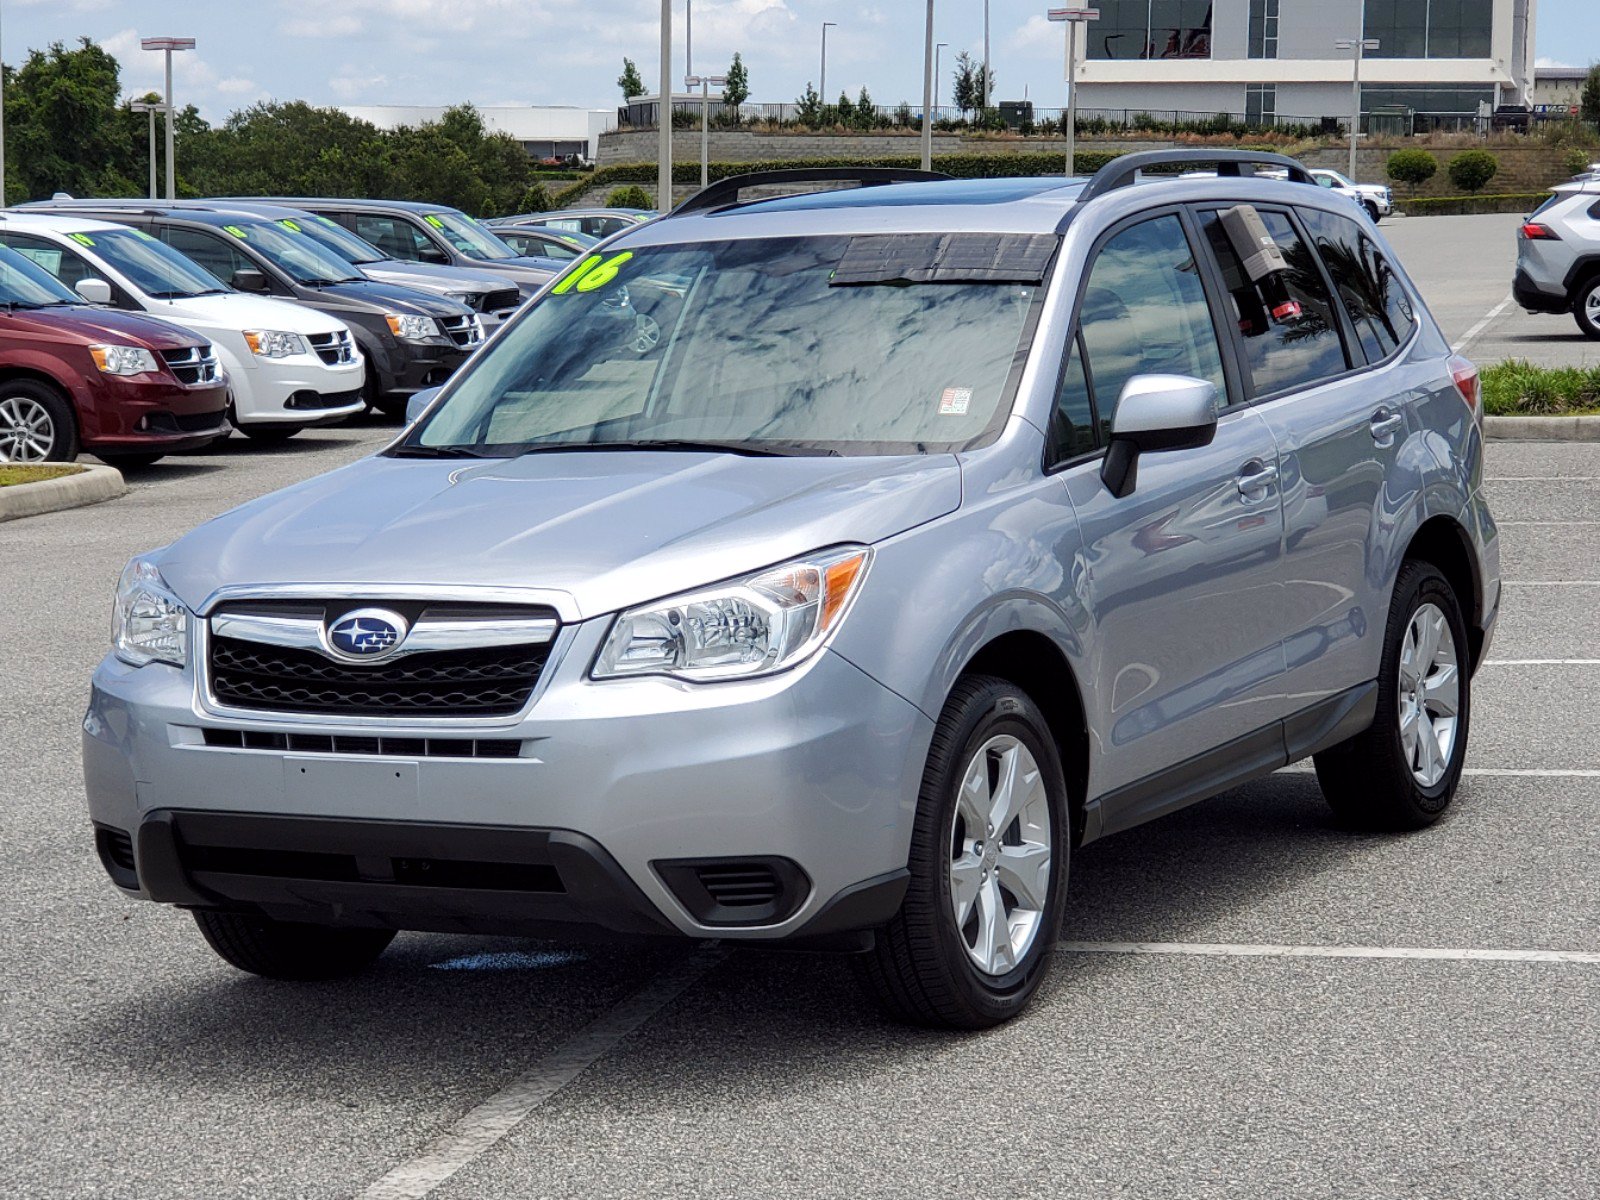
[[1255, 478], [1385, 425]]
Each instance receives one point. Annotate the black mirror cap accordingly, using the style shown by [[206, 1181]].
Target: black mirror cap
[[434, 255], [248, 279]]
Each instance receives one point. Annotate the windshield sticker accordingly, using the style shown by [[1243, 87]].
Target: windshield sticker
[[83, 239], [236, 231], [434, 221], [593, 272], [143, 236], [327, 220], [954, 402], [289, 224]]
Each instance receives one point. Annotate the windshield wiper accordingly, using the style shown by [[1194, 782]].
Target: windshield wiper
[[747, 449], [442, 452]]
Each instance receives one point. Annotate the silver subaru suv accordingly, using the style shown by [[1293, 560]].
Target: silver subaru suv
[[824, 570], [1558, 255]]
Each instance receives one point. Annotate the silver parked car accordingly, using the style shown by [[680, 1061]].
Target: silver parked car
[[920, 535], [1558, 255]]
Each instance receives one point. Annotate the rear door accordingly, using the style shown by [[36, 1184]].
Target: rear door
[[1314, 369], [1183, 574]]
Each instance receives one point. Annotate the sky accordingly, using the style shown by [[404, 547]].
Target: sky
[[519, 52]]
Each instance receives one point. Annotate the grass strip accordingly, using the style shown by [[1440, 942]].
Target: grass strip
[[1517, 388], [12, 475]]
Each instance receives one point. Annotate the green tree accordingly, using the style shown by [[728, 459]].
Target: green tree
[[291, 148], [808, 107], [845, 109], [866, 110], [1412, 167], [965, 93], [737, 90], [65, 130], [630, 81], [1589, 102], [1471, 169], [632, 196]]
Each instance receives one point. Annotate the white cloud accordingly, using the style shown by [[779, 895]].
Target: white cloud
[[335, 26], [1543, 61], [69, 5], [352, 87], [236, 86]]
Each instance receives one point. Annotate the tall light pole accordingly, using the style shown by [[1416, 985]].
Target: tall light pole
[[167, 45], [145, 106], [927, 93], [937, 49], [664, 113], [985, 92], [2, 132], [705, 83], [822, 83], [688, 37], [1359, 46], [1072, 18]]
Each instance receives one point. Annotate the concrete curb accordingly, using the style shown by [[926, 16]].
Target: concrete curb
[[90, 486], [1542, 429]]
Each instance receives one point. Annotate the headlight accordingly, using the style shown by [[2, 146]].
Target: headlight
[[412, 328], [737, 630], [271, 343], [148, 624], [123, 360]]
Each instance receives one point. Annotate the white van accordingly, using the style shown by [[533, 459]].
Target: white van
[[288, 367]]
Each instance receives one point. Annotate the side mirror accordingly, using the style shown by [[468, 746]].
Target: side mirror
[[1157, 413], [95, 291], [248, 279], [434, 255], [418, 404]]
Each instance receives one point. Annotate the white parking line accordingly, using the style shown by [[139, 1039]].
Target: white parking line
[[1541, 662], [1253, 950], [1550, 583], [1482, 325], [502, 1112], [1542, 479], [1490, 772], [1503, 524]]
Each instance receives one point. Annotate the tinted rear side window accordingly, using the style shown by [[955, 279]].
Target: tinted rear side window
[[1374, 298], [1290, 336]]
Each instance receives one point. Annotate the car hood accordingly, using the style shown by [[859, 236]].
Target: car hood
[[235, 311], [523, 270], [431, 276], [386, 296], [601, 530], [83, 321]]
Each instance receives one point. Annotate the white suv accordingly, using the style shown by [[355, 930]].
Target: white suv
[[288, 367]]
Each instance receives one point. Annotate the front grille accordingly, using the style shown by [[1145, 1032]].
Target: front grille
[[740, 885], [483, 875], [195, 366], [505, 298], [166, 422], [459, 679], [315, 401], [380, 747], [333, 348], [463, 331]]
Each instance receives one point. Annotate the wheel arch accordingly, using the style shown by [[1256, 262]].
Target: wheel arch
[[1442, 542], [74, 401], [1036, 664]]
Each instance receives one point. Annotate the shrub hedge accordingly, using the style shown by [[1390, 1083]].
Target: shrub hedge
[[1463, 206], [1471, 169], [1518, 388]]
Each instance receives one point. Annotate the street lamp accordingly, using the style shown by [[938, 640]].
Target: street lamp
[[167, 45], [145, 106], [985, 105], [705, 83], [927, 93], [1359, 46], [1072, 18], [664, 114], [822, 85], [938, 48]]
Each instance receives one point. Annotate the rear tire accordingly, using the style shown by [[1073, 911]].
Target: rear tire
[[286, 950], [1402, 772], [36, 423], [1586, 307], [925, 966]]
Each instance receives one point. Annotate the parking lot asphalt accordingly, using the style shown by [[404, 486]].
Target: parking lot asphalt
[[1198, 1038]]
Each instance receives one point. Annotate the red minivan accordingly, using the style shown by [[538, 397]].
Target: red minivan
[[125, 387]]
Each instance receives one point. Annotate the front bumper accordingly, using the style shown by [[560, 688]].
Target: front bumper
[[818, 768], [293, 391], [139, 415], [406, 368]]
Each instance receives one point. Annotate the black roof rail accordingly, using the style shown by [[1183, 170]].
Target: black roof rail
[[725, 192], [1125, 168]]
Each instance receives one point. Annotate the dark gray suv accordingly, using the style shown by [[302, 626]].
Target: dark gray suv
[[823, 571]]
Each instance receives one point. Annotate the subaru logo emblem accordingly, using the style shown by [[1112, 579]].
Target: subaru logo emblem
[[366, 633]]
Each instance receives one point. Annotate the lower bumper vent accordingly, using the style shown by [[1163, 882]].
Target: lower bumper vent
[[382, 747], [737, 891], [116, 855]]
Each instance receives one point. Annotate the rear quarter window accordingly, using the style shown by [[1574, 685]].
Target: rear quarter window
[[1372, 295]]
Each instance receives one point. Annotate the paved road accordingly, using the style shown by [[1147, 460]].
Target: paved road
[[135, 1064]]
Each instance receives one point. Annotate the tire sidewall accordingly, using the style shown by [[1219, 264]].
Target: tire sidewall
[[1580, 306], [65, 446], [1001, 709], [1426, 587]]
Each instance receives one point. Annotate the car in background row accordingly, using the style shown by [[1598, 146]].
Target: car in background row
[[596, 222], [1374, 197], [489, 294], [1558, 255], [288, 367], [562, 245], [125, 387], [427, 233], [411, 339]]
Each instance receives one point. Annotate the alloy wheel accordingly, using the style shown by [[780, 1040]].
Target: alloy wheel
[[1000, 850], [27, 431], [1591, 306], [1430, 695]]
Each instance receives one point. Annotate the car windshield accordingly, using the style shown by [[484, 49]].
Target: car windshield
[[334, 238], [296, 255], [753, 346], [26, 284], [153, 267], [467, 236]]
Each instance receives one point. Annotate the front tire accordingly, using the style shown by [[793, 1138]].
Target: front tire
[[976, 933], [36, 424], [1586, 308], [286, 950], [1402, 772]]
